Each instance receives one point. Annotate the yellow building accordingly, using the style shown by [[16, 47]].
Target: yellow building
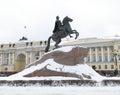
[[103, 55], [14, 57]]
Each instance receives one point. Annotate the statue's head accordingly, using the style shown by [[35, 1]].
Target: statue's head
[[57, 17], [69, 19]]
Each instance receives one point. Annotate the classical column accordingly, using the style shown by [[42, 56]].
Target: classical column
[[26, 58], [30, 56], [9, 58], [96, 54], [90, 52], [13, 60], [102, 54], [108, 53], [1, 58], [40, 54]]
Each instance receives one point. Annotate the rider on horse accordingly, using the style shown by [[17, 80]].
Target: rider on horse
[[61, 31], [58, 25]]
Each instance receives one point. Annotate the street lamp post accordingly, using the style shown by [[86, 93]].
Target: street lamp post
[[115, 53]]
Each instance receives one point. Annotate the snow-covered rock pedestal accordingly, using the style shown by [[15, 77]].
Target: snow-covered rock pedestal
[[59, 67]]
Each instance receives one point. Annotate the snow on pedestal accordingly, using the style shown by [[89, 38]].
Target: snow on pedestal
[[51, 66]]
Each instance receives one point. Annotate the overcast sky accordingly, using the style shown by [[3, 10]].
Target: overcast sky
[[91, 18]]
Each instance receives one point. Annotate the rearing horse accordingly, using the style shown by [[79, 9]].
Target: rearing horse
[[64, 32]]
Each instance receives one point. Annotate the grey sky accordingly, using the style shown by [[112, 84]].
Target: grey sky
[[91, 18]]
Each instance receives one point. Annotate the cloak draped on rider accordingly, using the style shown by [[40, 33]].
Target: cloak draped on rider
[[58, 25]]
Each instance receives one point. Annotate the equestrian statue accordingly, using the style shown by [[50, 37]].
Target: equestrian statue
[[61, 30]]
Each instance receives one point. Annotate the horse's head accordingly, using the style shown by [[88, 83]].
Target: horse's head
[[67, 19]]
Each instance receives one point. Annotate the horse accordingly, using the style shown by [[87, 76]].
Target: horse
[[64, 32]]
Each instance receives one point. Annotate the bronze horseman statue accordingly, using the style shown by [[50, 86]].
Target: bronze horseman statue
[[61, 30]]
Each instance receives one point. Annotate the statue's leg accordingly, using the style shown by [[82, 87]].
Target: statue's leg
[[57, 42], [77, 34]]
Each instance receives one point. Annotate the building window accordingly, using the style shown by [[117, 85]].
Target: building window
[[99, 49], [40, 42], [112, 58], [31, 43], [112, 66], [13, 45], [45, 42], [93, 49], [106, 58], [118, 57], [105, 48], [111, 48], [37, 55], [99, 66], [9, 45], [27, 44], [94, 58], [0, 58], [7, 58], [105, 66], [1, 46], [118, 47], [99, 58]]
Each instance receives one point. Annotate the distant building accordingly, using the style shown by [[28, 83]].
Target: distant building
[[102, 51], [14, 57]]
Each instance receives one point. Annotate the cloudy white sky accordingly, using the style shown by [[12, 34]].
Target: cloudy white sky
[[91, 18]]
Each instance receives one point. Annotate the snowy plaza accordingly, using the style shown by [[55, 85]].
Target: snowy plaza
[[5, 90]]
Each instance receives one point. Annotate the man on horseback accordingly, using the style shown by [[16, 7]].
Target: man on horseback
[[60, 31], [58, 25]]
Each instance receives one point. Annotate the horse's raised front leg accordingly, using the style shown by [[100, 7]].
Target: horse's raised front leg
[[77, 34]]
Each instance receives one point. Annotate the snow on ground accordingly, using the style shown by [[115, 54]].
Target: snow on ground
[[59, 90]]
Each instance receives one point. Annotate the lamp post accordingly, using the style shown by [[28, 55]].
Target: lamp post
[[115, 53]]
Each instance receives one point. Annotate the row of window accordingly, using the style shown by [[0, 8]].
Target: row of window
[[41, 43], [105, 67], [27, 43], [99, 58], [104, 48], [7, 60]]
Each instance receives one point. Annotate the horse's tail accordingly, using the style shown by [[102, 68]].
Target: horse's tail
[[48, 44]]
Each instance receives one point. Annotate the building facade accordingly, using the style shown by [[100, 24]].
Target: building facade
[[14, 57], [103, 55]]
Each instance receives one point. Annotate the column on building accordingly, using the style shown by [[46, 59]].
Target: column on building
[[90, 54], [96, 54], [108, 53], [40, 54], [30, 56], [9, 58], [0, 58], [26, 58], [102, 54], [13, 58]]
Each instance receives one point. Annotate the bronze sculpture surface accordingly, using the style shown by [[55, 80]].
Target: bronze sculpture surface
[[60, 32]]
